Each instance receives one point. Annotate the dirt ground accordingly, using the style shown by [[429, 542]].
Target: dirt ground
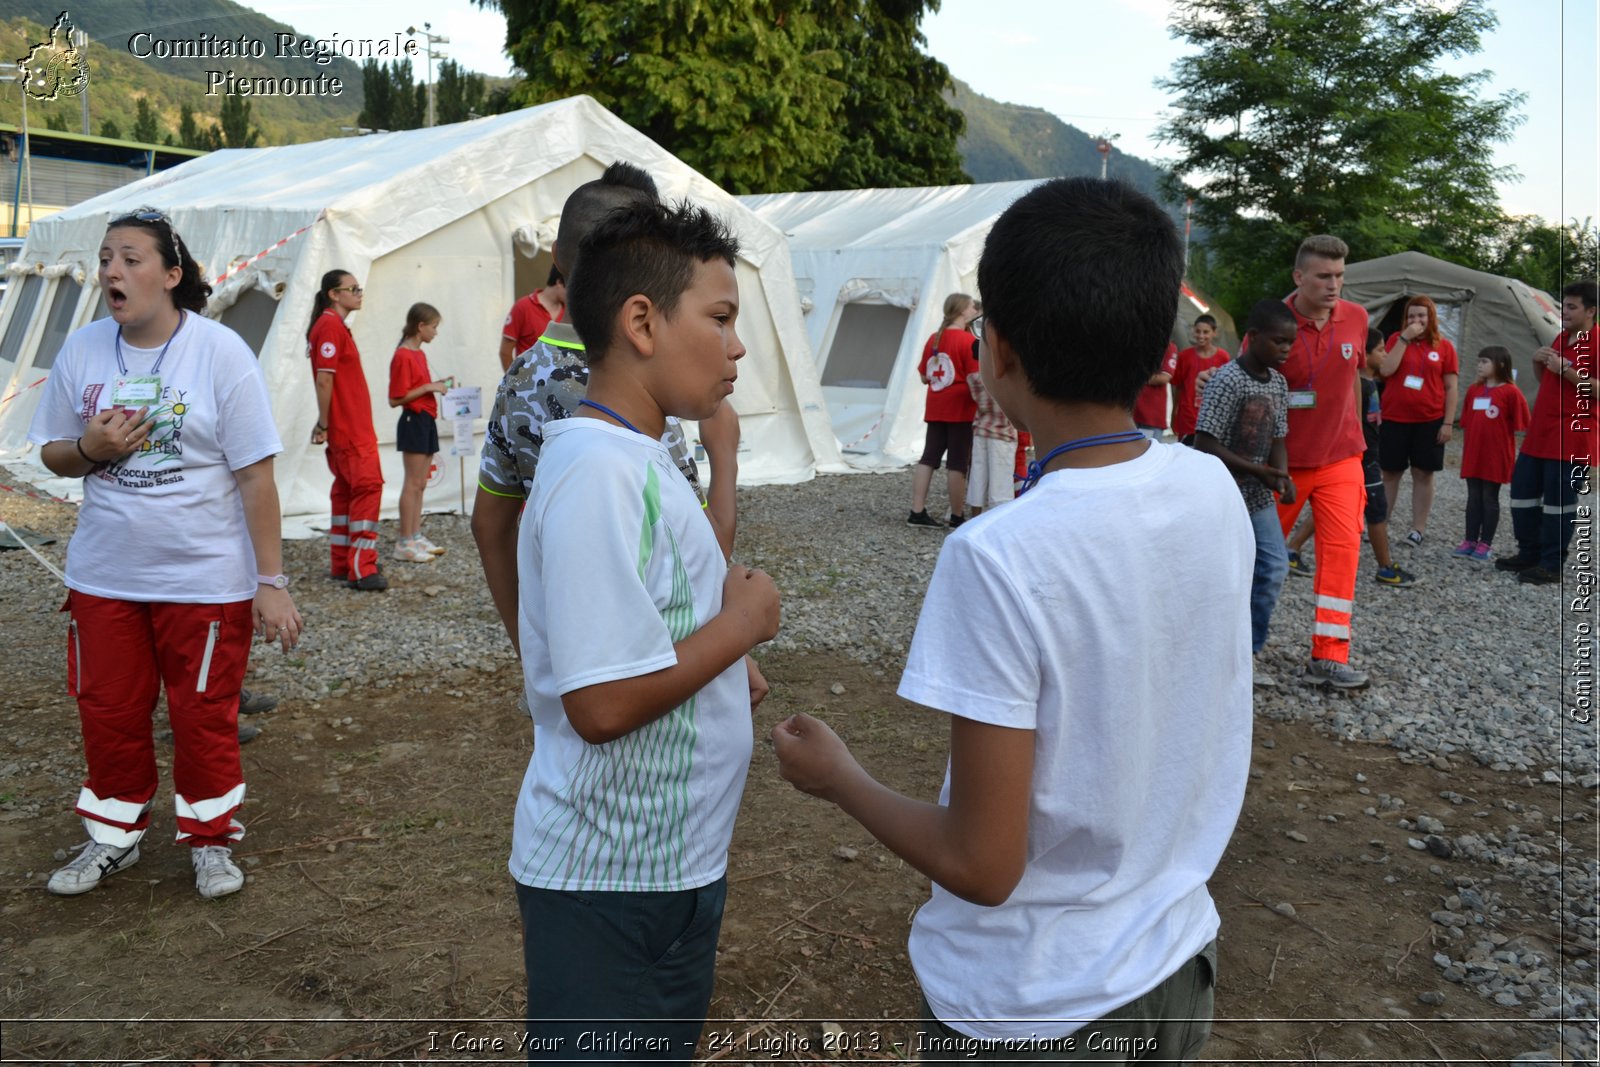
[[379, 921]]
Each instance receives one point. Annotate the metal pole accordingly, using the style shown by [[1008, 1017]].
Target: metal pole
[[80, 40]]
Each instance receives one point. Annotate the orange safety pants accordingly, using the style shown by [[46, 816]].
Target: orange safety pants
[[1337, 494]]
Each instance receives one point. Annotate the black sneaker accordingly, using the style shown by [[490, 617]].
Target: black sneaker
[[1395, 577], [1537, 575], [957, 520], [924, 520], [1300, 567], [372, 583], [255, 703], [1514, 564]]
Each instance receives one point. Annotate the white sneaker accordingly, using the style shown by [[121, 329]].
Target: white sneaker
[[412, 552], [215, 874], [427, 546], [93, 863]]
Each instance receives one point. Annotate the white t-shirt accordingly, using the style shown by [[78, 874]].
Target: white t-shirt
[[1063, 613], [616, 563], [166, 524]]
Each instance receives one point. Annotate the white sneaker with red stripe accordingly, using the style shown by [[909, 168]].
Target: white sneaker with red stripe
[[95, 862]]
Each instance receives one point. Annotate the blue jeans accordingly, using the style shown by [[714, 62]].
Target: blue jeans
[[1272, 566]]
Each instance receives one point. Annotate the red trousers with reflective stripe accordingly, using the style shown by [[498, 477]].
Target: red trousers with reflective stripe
[[356, 495], [1337, 494], [119, 653]]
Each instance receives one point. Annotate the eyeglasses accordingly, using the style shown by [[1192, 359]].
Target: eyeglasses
[[356, 289]]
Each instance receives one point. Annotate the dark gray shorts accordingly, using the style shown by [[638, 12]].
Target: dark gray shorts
[[619, 976], [1171, 1023]]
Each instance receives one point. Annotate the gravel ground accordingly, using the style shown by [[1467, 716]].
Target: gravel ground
[[1466, 665]]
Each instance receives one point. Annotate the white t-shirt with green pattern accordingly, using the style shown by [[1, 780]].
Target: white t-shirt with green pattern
[[616, 563]]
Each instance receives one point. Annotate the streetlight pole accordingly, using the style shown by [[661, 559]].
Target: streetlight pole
[[22, 77], [433, 39], [80, 41]]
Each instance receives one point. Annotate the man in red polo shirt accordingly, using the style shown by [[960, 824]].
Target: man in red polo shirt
[[1325, 444], [1560, 446]]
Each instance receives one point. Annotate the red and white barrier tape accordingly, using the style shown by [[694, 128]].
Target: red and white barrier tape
[[24, 389], [870, 431], [265, 252]]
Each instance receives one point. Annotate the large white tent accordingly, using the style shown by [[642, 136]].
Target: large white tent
[[461, 216], [874, 267]]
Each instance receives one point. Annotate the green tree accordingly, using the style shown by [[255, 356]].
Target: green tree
[[234, 127], [146, 124], [899, 128], [190, 133], [1296, 117], [56, 121], [1546, 256], [110, 129], [459, 94], [394, 99]]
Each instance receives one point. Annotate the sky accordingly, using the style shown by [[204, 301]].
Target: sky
[[1014, 51]]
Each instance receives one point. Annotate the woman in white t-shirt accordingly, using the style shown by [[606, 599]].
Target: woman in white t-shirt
[[176, 559]]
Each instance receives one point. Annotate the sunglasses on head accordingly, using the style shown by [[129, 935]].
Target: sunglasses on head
[[150, 214]]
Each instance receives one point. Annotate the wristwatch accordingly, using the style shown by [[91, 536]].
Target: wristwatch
[[277, 581]]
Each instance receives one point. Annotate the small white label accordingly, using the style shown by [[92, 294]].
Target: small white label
[[1413, 381]]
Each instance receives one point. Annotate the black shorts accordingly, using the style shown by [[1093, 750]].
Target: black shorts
[[1377, 497], [416, 432], [1410, 444], [951, 440]]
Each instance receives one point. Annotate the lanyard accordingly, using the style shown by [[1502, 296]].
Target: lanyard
[[587, 403], [122, 367], [1036, 468]]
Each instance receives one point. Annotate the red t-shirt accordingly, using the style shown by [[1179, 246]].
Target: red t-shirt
[[1564, 425], [1150, 409], [333, 350], [526, 322], [1490, 421], [1415, 391], [1325, 363], [1185, 405], [946, 368], [407, 370]]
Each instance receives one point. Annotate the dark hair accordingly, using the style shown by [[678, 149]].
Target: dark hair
[[1585, 291], [1269, 313], [622, 184], [1082, 276], [192, 290], [418, 314], [1374, 339], [1501, 358], [330, 280], [555, 276], [1207, 319], [648, 249]]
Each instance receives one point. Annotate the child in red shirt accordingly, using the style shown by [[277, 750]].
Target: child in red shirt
[[949, 357], [413, 390], [1495, 412], [1186, 368]]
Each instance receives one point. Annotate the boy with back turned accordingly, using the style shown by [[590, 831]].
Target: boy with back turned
[[1098, 748], [633, 635]]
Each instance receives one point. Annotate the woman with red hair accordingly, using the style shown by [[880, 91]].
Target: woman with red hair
[[1421, 374]]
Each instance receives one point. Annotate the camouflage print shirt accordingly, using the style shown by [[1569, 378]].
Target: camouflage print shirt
[[546, 382]]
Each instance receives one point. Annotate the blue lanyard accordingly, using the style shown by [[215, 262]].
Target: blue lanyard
[[587, 403], [123, 367], [1036, 468]]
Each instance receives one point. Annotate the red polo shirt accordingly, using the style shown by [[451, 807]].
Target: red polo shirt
[[350, 411], [1151, 407], [526, 322], [1564, 423], [1187, 367], [1415, 391], [946, 367], [1326, 362]]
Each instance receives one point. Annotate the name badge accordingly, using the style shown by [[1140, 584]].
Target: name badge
[[135, 391], [1413, 381], [1300, 399], [1480, 403]]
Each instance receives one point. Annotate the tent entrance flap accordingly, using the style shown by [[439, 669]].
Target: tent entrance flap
[[865, 344]]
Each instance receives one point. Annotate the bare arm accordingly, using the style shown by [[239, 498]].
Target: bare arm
[[426, 387], [720, 436], [1272, 477], [1160, 377], [319, 433], [1452, 387], [107, 437], [977, 847], [494, 528], [1278, 460], [1395, 352], [506, 354], [749, 616], [274, 612]]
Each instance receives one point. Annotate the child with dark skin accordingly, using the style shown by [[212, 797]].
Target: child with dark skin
[[1263, 352]]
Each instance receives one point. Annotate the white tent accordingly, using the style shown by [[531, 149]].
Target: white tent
[[460, 216], [874, 267]]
